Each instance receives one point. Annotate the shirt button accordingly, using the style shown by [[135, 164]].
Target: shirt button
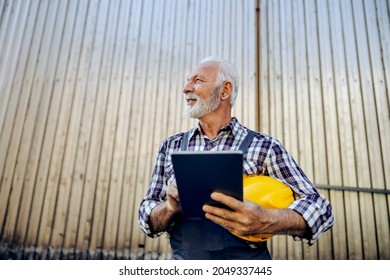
[[210, 146]]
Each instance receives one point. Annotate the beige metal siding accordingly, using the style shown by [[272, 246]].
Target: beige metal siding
[[89, 89], [324, 91]]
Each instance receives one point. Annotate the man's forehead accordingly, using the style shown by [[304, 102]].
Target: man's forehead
[[205, 69]]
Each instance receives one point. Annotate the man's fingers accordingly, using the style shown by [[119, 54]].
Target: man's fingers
[[218, 212], [223, 222], [229, 201]]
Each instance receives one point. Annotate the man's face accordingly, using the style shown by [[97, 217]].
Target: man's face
[[201, 92]]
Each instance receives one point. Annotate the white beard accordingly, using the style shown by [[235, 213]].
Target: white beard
[[203, 106]]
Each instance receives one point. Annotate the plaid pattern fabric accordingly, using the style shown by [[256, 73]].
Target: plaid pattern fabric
[[266, 155]]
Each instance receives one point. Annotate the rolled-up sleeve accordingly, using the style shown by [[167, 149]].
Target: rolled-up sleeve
[[315, 209], [155, 194]]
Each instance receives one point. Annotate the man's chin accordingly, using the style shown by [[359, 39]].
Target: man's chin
[[196, 112], [190, 115], [189, 112]]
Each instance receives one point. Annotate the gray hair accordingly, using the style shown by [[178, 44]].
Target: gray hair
[[227, 72]]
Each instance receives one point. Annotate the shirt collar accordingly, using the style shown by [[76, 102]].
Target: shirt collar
[[234, 126]]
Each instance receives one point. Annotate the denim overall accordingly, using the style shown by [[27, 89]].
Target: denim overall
[[202, 239]]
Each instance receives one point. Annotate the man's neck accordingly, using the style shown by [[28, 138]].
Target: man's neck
[[212, 124]]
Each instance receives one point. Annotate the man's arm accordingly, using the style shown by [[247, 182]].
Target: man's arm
[[309, 204], [163, 214], [161, 202]]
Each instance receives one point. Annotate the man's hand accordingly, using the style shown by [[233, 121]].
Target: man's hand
[[244, 218], [248, 218]]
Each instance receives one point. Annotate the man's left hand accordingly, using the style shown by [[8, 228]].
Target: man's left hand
[[244, 218], [248, 218]]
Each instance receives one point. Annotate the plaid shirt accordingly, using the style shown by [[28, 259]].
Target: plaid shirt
[[265, 156]]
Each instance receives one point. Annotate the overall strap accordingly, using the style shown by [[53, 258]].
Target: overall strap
[[184, 141], [247, 141]]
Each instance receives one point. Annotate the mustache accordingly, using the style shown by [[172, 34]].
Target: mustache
[[192, 96]]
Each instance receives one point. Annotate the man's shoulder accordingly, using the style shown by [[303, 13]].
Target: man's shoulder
[[262, 136], [240, 130], [173, 142], [264, 139], [172, 139]]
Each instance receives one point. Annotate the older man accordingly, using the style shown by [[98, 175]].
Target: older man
[[210, 94]]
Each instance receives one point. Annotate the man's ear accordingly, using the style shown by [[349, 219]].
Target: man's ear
[[226, 90]]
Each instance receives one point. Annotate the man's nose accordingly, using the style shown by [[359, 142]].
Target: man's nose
[[188, 87]]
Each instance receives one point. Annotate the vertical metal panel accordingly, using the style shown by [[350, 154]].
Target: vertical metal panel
[[366, 67], [77, 143], [45, 76], [320, 169], [13, 25], [382, 104], [331, 127], [69, 179], [81, 226], [359, 134], [20, 125], [339, 75], [346, 152], [57, 132]]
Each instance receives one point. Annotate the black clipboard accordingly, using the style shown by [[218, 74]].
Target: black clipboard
[[200, 173]]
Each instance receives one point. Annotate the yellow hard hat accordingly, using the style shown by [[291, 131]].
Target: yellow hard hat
[[267, 192]]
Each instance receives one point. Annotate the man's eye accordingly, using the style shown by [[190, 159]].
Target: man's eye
[[197, 80]]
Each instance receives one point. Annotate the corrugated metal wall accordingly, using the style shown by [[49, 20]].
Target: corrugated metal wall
[[89, 89], [324, 91]]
